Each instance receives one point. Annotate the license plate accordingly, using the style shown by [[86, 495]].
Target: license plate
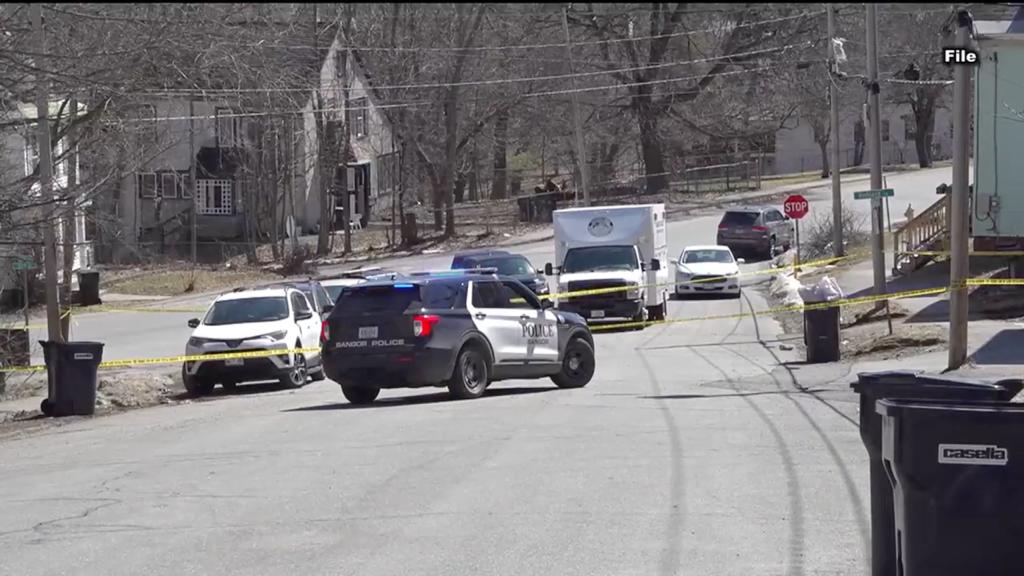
[[234, 362], [597, 313], [368, 332]]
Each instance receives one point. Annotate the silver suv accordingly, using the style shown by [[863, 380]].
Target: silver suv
[[758, 230]]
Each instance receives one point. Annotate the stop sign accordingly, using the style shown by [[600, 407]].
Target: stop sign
[[795, 206]]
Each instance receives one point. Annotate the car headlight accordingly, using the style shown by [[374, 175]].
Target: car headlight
[[197, 342], [280, 335], [633, 291]]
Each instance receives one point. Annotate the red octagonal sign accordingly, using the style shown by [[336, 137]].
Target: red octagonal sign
[[795, 206]]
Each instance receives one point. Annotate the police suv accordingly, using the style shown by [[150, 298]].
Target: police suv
[[461, 329]]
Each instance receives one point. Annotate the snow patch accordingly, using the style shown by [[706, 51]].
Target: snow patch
[[785, 288]]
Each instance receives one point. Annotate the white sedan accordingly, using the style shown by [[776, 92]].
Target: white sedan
[[707, 270]]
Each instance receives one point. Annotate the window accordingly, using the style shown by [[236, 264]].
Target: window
[[357, 117], [600, 258], [244, 310], [227, 128], [147, 130], [299, 304], [909, 128], [185, 184], [169, 184], [885, 130], [514, 295], [706, 256], [369, 300], [488, 295], [146, 183], [509, 266], [214, 197], [31, 153], [738, 219]]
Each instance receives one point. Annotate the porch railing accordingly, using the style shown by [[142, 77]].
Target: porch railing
[[928, 231]]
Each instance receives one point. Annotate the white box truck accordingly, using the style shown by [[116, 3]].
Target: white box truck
[[612, 247]]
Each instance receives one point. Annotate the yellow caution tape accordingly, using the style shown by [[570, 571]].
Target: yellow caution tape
[[177, 359], [795, 308]]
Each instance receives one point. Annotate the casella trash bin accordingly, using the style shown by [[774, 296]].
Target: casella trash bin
[[958, 474], [873, 386], [71, 371]]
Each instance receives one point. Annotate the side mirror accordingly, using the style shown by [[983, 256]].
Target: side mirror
[[328, 308], [741, 261], [655, 264], [548, 269], [304, 316], [193, 323]]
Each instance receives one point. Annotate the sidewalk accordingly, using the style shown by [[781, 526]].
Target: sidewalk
[[992, 345]]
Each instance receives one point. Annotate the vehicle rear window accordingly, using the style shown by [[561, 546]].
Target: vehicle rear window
[[739, 218], [395, 299]]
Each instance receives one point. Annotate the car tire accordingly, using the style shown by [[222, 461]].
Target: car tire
[[770, 251], [229, 386], [194, 385], [577, 366], [471, 374], [296, 376], [318, 376], [360, 395]]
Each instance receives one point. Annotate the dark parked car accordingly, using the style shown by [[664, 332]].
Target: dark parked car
[[507, 264], [758, 230]]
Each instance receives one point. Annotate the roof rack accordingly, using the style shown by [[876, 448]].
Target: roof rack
[[456, 272]]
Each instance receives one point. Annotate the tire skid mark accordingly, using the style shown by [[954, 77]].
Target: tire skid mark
[[797, 535], [863, 526], [672, 555], [860, 514]]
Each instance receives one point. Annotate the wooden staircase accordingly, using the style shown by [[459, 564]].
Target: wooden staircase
[[926, 232]]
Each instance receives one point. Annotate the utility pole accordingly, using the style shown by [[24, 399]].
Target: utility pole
[[70, 226], [347, 116], [46, 182], [192, 173], [959, 204], [875, 150], [833, 94], [581, 150]]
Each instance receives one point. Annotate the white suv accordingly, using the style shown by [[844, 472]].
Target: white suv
[[252, 320]]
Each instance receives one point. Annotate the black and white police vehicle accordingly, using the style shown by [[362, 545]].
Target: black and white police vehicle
[[461, 329]]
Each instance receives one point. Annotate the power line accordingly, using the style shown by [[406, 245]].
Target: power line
[[537, 46], [513, 80]]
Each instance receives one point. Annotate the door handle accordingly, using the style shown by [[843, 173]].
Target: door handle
[[480, 315]]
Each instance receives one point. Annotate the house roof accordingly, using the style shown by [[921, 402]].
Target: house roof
[[996, 19]]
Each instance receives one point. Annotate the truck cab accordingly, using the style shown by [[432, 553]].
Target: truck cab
[[609, 262]]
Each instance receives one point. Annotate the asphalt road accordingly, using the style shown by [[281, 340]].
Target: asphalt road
[[699, 448]]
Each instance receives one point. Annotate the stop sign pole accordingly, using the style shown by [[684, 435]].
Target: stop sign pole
[[796, 207]]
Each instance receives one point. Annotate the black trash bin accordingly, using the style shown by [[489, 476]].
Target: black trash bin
[[71, 375], [821, 334], [89, 287], [524, 208], [957, 469], [905, 384]]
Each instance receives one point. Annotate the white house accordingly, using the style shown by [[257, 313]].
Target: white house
[[373, 157], [796, 151], [19, 158]]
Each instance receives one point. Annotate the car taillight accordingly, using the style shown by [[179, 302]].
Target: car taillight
[[759, 229], [325, 332], [423, 324]]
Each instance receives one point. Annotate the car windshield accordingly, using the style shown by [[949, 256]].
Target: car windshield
[[739, 219], [246, 310], [515, 266], [703, 256], [598, 258]]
